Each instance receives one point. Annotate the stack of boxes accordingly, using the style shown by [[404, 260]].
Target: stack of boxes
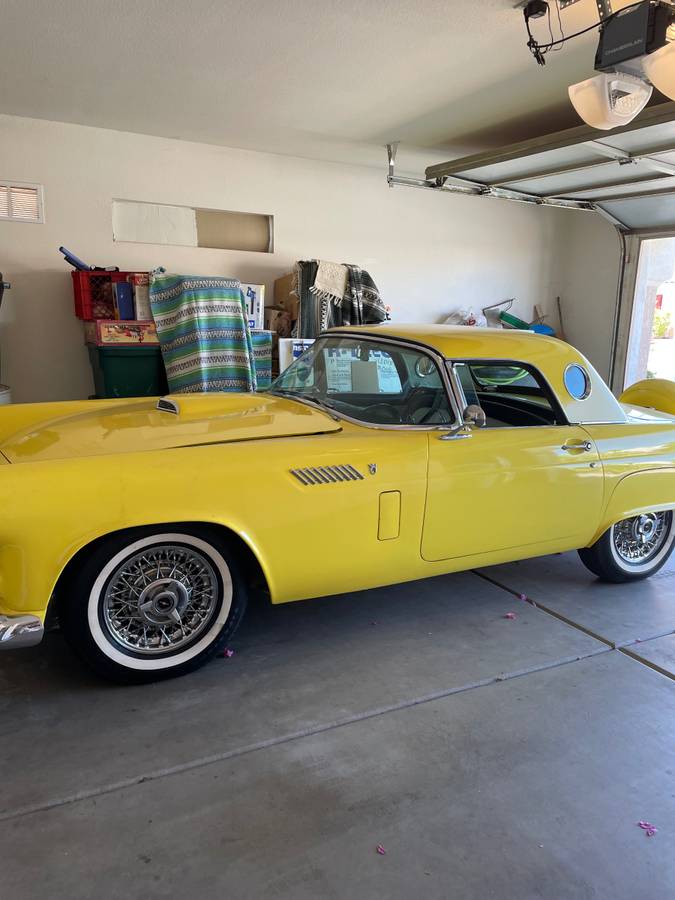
[[122, 339], [119, 332], [254, 297], [280, 319]]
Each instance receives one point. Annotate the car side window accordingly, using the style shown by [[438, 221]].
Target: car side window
[[510, 394], [375, 382]]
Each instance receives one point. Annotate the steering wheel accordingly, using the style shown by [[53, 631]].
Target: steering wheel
[[391, 416], [429, 410]]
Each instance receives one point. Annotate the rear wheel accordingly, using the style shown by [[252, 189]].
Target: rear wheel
[[151, 604], [633, 548]]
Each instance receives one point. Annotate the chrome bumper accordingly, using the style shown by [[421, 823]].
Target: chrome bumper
[[20, 631]]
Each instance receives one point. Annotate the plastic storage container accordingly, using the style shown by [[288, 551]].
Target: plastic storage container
[[93, 293], [128, 371]]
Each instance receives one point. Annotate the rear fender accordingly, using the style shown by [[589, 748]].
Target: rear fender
[[653, 393], [652, 490]]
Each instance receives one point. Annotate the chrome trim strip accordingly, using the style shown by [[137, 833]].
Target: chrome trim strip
[[301, 476], [327, 473], [17, 632]]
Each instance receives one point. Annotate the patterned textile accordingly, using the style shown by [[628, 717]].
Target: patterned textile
[[262, 357], [362, 304], [319, 309], [203, 332], [330, 282], [309, 314]]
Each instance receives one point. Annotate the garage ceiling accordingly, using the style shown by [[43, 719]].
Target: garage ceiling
[[323, 80], [627, 175]]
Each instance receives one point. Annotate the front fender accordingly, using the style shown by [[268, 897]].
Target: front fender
[[651, 490]]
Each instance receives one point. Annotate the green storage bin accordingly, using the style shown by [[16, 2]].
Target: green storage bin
[[128, 371]]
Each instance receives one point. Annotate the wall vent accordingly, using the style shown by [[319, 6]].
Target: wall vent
[[20, 202], [326, 474]]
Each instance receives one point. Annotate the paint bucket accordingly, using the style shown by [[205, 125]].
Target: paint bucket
[[5, 395]]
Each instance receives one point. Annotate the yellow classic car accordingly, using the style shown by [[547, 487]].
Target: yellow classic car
[[382, 455]]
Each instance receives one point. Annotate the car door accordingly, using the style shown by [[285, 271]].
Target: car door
[[528, 479]]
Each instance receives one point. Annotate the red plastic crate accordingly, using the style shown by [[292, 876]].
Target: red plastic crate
[[93, 293]]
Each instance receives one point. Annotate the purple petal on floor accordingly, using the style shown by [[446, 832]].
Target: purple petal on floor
[[510, 615], [380, 849]]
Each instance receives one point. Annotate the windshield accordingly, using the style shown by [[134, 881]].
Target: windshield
[[374, 382]]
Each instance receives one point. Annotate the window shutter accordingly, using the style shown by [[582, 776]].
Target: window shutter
[[21, 202]]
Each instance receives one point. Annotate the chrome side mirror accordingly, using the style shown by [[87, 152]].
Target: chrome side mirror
[[474, 416]]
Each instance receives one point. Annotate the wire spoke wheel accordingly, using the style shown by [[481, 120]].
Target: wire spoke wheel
[[639, 540], [160, 600]]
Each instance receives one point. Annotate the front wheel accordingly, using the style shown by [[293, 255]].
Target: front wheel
[[632, 549], [151, 604]]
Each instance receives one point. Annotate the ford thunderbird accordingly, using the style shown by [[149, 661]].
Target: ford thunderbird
[[382, 455]]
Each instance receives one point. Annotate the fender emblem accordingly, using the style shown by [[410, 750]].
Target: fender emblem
[[372, 468]]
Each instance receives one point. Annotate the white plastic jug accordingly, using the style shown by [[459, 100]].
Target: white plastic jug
[[5, 395]]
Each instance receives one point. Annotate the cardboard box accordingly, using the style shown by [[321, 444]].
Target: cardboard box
[[254, 296], [140, 282], [283, 298], [290, 349], [278, 320], [106, 332]]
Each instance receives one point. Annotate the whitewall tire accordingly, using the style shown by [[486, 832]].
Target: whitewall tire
[[633, 548], [148, 604]]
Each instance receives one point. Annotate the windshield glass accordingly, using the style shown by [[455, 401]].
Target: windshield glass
[[368, 380]]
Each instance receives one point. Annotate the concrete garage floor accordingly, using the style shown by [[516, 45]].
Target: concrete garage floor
[[490, 757]]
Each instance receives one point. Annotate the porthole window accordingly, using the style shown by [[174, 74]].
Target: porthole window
[[577, 382]]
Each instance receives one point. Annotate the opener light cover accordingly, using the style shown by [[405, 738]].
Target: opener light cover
[[610, 99], [659, 67]]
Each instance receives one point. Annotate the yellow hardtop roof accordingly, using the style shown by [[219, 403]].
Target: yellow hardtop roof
[[547, 354], [461, 342]]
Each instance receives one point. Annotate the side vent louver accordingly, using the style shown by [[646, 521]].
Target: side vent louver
[[326, 474]]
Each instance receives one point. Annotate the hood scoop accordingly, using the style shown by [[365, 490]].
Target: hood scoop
[[165, 404]]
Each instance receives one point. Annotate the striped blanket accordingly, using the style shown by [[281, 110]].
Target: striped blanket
[[203, 332], [320, 309]]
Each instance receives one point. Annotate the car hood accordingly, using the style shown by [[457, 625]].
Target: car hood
[[47, 431]]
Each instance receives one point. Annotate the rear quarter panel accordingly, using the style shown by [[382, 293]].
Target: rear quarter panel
[[639, 466]]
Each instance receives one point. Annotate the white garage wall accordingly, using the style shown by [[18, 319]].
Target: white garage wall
[[428, 254], [590, 255]]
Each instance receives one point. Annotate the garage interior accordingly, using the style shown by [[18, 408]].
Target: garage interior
[[499, 732]]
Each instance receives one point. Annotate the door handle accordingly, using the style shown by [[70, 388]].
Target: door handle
[[586, 446], [459, 434]]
